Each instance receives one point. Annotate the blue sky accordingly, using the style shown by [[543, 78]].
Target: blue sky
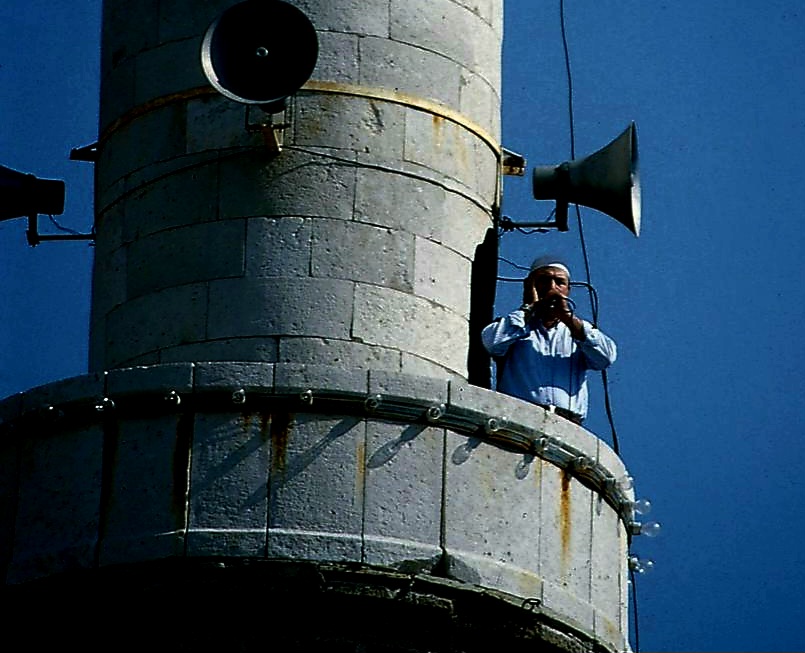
[[706, 305]]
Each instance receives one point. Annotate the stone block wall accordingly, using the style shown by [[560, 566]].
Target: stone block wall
[[317, 464], [353, 246]]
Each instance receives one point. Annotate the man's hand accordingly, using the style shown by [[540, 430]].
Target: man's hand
[[555, 306], [558, 308], [530, 295]]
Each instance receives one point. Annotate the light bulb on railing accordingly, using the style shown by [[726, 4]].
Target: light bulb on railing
[[626, 483], [639, 566], [642, 506], [650, 529]]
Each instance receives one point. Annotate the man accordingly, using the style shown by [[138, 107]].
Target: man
[[546, 349]]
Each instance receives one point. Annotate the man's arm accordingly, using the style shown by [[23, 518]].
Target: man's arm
[[498, 336], [598, 348], [572, 322]]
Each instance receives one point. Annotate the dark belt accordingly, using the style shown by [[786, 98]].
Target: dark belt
[[564, 412]]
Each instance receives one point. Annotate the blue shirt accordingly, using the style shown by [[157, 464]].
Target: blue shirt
[[547, 366]]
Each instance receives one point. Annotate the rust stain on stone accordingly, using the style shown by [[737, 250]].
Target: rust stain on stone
[[360, 473], [265, 425], [438, 124], [280, 437], [565, 525]]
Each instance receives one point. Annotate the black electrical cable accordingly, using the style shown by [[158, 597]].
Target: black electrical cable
[[593, 298], [572, 122], [604, 379], [569, 71], [63, 228], [569, 80], [513, 264]]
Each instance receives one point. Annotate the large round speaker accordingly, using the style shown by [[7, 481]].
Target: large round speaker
[[260, 51]]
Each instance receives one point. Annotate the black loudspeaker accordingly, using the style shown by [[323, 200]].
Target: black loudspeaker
[[23, 195], [260, 52], [607, 181]]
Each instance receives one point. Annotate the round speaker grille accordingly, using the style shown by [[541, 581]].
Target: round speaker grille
[[259, 52]]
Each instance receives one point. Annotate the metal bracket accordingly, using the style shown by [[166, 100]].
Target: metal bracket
[[512, 163], [34, 237], [273, 134]]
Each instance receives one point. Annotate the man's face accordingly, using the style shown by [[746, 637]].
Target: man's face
[[550, 280]]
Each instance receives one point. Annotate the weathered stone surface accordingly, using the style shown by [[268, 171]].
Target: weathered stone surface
[[442, 276], [350, 16], [433, 24], [85, 388], [215, 122], [281, 482], [144, 514], [338, 58], [399, 201], [479, 100], [492, 515], [214, 250], [386, 256], [464, 224], [393, 385], [56, 519], [231, 376], [241, 349], [410, 70], [391, 318], [569, 608], [330, 351], [280, 307], [181, 198], [278, 247], [565, 537], [293, 378], [164, 70], [117, 90], [605, 559], [350, 123], [180, 19], [316, 488], [171, 317], [158, 135], [228, 499], [157, 378], [299, 184], [403, 496]]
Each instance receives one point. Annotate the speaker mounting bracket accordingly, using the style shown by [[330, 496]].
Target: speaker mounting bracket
[[512, 163], [273, 133], [559, 222], [34, 237]]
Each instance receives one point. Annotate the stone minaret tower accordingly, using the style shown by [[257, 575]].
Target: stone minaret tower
[[277, 446]]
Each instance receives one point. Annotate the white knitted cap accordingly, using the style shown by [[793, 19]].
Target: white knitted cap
[[549, 261]]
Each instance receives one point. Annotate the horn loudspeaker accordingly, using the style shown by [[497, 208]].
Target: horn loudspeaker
[[607, 181]]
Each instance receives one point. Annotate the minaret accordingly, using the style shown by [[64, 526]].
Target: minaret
[[277, 433]]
